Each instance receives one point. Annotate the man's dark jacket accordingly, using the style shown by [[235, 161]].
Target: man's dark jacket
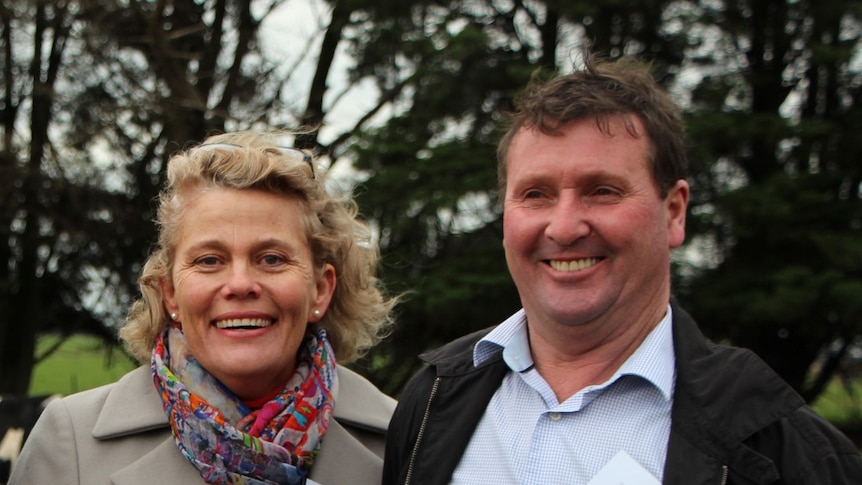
[[734, 421]]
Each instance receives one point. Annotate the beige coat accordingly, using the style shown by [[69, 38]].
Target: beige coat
[[118, 434]]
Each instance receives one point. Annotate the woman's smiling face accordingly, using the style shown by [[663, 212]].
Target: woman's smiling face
[[244, 286]]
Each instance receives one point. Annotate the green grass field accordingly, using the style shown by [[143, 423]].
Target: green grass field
[[839, 405], [80, 363]]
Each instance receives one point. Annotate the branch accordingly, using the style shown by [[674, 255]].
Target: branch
[[50, 351], [313, 116], [10, 109], [385, 99], [246, 31], [827, 370]]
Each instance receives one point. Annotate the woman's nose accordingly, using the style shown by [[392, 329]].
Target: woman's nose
[[241, 283]]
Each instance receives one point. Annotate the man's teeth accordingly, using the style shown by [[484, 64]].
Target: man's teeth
[[244, 322], [574, 265]]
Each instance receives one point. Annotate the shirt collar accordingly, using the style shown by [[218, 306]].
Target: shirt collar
[[511, 336], [654, 360]]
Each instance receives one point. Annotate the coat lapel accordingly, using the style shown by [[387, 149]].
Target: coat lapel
[[134, 410], [132, 406], [343, 459], [163, 464]]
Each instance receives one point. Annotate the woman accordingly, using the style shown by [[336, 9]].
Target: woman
[[259, 281]]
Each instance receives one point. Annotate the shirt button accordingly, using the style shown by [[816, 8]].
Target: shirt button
[[554, 416]]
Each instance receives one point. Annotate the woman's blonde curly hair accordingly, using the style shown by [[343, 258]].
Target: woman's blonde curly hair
[[359, 313]]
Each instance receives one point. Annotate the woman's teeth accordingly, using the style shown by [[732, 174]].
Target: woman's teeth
[[244, 323]]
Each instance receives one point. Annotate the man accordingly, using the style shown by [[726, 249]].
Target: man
[[601, 378]]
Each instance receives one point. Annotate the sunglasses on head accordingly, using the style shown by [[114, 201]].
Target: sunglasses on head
[[291, 153]]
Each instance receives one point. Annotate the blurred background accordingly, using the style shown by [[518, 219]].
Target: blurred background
[[95, 95]]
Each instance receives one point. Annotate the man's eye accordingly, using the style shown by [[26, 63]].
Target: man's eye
[[272, 259], [600, 191]]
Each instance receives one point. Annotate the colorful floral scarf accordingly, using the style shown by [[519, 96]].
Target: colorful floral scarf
[[228, 442]]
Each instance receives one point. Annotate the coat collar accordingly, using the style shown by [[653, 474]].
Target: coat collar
[[715, 378], [342, 459], [723, 395]]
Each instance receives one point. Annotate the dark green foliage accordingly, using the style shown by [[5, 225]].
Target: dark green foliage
[[776, 177], [791, 284]]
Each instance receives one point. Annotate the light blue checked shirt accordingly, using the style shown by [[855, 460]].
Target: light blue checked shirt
[[527, 437]]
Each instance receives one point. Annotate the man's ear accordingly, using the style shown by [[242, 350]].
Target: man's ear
[[676, 206]]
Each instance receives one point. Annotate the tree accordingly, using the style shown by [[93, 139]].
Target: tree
[[777, 180], [770, 90], [47, 254], [111, 90]]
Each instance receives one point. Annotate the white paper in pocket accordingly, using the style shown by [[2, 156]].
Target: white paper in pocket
[[622, 469]]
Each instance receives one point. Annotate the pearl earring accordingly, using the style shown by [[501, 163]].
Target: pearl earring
[[174, 316], [316, 313]]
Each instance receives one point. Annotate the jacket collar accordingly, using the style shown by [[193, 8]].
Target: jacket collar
[[716, 380], [456, 357], [723, 395]]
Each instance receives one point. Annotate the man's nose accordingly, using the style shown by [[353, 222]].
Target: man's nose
[[567, 220]]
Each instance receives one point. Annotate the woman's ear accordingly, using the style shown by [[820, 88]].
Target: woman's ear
[[324, 289], [168, 296]]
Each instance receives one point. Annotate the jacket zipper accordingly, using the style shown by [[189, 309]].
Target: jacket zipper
[[421, 432], [723, 474]]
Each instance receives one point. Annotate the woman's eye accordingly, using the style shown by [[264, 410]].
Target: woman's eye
[[207, 261]]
